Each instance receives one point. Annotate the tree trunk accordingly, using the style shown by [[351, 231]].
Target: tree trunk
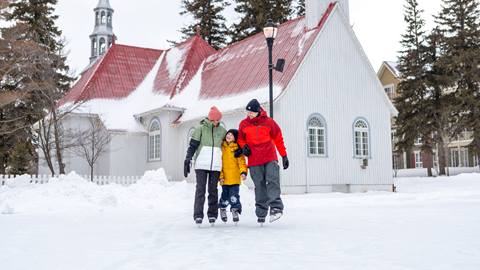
[[442, 158], [58, 143], [91, 173], [427, 161], [44, 138], [3, 165]]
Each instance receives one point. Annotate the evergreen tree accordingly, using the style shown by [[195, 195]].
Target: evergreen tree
[[255, 13], [412, 121], [19, 158], [459, 26], [300, 9], [41, 76], [438, 105], [209, 22]]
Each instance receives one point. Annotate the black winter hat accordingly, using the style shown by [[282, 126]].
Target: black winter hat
[[234, 133], [253, 106]]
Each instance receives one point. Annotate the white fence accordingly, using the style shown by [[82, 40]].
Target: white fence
[[97, 179], [423, 172]]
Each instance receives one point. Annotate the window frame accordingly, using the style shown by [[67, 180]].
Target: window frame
[[155, 135], [356, 129], [419, 162], [391, 90], [325, 136]]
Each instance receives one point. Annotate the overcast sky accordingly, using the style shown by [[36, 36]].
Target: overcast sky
[[150, 23]]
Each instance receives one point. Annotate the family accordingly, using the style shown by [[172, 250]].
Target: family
[[219, 157]]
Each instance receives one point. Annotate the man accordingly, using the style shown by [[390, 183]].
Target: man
[[258, 137], [206, 145]]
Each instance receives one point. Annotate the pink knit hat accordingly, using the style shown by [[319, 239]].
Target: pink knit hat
[[214, 114]]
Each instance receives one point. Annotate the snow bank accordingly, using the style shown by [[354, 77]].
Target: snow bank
[[73, 193]]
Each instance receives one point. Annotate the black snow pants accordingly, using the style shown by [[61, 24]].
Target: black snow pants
[[204, 179]]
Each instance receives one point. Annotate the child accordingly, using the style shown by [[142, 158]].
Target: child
[[234, 170]]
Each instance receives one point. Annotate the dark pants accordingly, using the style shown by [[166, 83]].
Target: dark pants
[[230, 196], [204, 178], [267, 187]]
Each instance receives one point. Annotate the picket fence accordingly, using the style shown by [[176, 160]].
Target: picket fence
[[97, 179]]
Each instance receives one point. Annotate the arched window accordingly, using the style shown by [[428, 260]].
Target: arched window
[[154, 140], [109, 19], [97, 18], [104, 18], [317, 136], [103, 45], [94, 47], [361, 139]]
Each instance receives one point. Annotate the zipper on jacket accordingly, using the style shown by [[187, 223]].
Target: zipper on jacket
[[213, 145]]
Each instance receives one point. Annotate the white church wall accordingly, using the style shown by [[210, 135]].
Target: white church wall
[[128, 153], [169, 144], [336, 82], [74, 124]]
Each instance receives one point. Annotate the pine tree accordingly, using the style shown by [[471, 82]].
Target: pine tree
[[459, 26], [412, 120], [208, 21], [300, 9], [438, 105], [255, 13], [44, 79], [19, 158]]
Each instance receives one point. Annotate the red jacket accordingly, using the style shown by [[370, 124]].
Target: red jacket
[[262, 134]]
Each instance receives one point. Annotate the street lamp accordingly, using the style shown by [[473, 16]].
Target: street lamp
[[270, 32]]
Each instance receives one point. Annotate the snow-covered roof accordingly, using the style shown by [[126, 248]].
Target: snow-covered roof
[[128, 80], [393, 66]]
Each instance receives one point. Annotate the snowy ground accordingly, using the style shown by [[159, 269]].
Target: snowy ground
[[72, 224]]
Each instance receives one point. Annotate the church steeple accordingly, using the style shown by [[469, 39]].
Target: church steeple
[[102, 37]]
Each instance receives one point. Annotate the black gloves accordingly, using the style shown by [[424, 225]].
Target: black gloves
[[285, 162], [246, 150], [238, 152], [192, 147], [186, 167]]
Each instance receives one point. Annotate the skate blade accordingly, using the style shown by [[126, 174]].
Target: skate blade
[[275, 217]]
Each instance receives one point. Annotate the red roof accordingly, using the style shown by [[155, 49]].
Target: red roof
[[188, 57], [236, 69], [115, 75]]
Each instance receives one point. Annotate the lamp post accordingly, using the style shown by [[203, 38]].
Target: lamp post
[[270, 32]]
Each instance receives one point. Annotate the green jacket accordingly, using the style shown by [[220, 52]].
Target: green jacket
[[209, 153]]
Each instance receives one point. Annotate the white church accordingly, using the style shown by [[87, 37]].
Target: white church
[[328, 101]]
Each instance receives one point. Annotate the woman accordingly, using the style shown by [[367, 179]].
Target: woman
[[206, 149]]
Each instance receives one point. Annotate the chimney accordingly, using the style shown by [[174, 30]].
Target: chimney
[[314, 10]]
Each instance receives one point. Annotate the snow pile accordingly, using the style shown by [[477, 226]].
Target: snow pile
[[73, 193], [18, 181], [430, 223], [174, 57]]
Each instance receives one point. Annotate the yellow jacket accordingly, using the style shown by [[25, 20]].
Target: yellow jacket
[[232, 167]]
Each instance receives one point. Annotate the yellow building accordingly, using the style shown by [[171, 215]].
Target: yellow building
[[459, 152]]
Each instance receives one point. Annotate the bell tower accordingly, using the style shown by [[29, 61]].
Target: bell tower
[[102, 37]]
